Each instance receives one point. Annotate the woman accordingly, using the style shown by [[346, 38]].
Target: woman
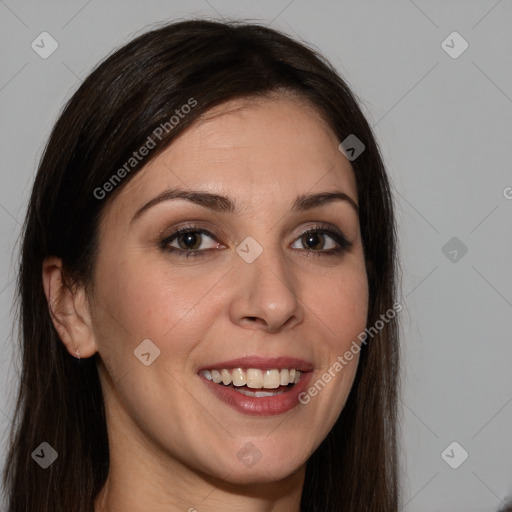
[[209, 242]]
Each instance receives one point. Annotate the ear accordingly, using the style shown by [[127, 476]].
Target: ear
[[69, 309]]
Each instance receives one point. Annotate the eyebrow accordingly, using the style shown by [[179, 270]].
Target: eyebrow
[[224, 204]]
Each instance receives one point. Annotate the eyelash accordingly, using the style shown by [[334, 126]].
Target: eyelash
[[339, 238]]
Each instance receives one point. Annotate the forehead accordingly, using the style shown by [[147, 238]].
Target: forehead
[[258, 150]]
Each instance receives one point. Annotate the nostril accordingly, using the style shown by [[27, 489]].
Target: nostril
[[251, 319]]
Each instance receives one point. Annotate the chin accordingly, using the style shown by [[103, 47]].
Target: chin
[[250, 467], [262, 475]]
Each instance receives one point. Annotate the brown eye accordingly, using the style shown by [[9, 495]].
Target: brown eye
[[313, 240], [323, 241], [190, 240]]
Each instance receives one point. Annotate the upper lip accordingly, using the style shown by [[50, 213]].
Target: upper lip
[[262, 363]]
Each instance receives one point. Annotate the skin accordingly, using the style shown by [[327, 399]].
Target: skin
[[173, 444]]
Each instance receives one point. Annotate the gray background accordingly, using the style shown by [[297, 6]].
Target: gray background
[[444, 125]]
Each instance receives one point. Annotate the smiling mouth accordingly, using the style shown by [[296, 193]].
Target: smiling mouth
[[247, 381]]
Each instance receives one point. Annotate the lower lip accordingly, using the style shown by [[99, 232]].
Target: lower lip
[[260, 406]]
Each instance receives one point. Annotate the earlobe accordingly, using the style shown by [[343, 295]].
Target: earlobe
[[69, 310]]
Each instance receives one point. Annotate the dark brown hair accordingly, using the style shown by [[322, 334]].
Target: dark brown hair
[[110, 116]]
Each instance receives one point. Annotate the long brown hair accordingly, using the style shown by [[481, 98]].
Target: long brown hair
[[110, 116]]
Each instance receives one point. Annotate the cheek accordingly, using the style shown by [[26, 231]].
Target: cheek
[[340, 303], [153, 301]]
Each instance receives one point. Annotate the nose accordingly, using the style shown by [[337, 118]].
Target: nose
[[266, 293]]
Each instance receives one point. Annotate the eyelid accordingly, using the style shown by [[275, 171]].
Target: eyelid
[[164, 242], [323, 228], [335, 233]]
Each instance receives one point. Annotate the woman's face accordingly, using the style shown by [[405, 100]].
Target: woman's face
[[244, 291]]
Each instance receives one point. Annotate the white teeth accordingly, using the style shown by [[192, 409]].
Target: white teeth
[[254, 378], [271, 379], [259, 394], [226, 377], [238, 376]]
